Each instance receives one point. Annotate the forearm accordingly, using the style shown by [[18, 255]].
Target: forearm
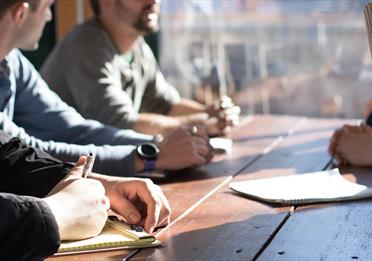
[[186, 106], [111, 160], [155, 123], [24, 219]]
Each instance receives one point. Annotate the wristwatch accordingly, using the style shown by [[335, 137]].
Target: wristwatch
[[149, 153]]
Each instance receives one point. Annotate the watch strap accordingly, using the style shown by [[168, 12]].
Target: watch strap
[[149, 165]]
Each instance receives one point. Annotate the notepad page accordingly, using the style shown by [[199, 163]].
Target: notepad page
[[109, 237], [326, 185]]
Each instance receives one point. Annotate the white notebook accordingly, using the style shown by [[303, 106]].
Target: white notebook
[[323, 186]]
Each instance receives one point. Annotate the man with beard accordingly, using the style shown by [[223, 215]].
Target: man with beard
[[107, 59], [32, 112]]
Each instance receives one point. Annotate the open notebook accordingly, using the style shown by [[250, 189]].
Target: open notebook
[[115, 235], [323, 186]]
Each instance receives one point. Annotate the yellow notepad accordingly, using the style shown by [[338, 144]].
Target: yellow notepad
[[114, 236]]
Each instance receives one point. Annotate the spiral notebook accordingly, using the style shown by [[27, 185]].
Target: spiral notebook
[[301, 189], [116, 235]]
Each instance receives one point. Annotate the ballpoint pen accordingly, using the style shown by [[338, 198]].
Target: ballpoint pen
[[88, 166]]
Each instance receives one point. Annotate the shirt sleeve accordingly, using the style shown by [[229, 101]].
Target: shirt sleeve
[[28, 171], [44, 115], [51, 125], [111, 160], [24, 219]]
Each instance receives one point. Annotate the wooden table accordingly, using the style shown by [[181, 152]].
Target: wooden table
[[210, 222]]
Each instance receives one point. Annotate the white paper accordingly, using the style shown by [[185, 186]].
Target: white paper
[[326, 185]]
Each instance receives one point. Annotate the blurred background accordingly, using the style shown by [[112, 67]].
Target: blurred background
[[299, 57]]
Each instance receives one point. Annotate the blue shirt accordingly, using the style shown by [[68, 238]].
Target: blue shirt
[[31, 111]]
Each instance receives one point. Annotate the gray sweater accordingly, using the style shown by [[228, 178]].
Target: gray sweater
[[89, 73]]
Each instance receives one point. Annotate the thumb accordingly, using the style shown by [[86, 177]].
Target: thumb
[[75, 173], [77, 170], [80, 162], [127, 209], [201, 116]]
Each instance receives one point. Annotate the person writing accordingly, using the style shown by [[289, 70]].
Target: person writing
[[41, 197], [118, 71]]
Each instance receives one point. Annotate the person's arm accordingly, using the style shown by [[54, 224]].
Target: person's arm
[[139, 201], [223, 114], [78, 204], [28, 171], [50, 125], [187, 106], [153, 124], [24, 219], [44, 115], [112, 160]]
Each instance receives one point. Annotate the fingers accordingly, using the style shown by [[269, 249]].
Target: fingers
[[200, 147], [161, 210], [81, 161], [140, 202], [221, 124], [366, 129], [198, 130], [75, 173], [77, 170], [153, 213], [158, 209], [164, 218], [192, 148], [127, 209], [203, 151], [333, 142]]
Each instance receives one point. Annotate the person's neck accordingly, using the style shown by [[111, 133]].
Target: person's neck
[[3, 53], [6, 43], [123, 36]]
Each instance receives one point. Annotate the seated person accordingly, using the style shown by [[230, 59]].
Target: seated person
[[31, 111], [41, 197], [352, 145], [107, 60]]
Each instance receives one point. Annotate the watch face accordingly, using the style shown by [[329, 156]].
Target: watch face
[[148, 151]]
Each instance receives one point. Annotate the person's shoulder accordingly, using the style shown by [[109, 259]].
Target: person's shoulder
[[86, 34], [15, 58], [14, 54]]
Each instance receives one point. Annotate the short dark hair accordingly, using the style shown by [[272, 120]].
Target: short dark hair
[[6, 4], [95, 7]]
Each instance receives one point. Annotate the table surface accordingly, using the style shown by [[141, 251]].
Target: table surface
[[210, 222]]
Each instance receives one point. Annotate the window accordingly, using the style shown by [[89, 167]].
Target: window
[[303, 57]]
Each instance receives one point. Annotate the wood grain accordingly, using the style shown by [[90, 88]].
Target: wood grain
[[339, 231], [230, 227], [250, 140]]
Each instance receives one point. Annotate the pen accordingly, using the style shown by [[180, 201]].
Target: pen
[[88, 166]]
